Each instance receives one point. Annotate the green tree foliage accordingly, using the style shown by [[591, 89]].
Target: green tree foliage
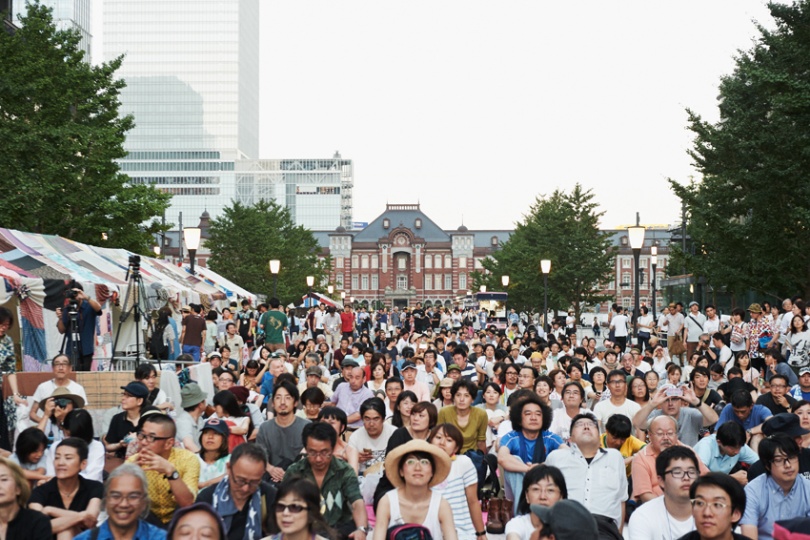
[[60, 133], [244, 239], [749, 217], [563, 228]]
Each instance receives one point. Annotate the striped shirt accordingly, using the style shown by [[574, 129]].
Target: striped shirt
[[462, 475]]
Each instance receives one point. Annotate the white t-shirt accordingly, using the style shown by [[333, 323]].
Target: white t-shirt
[[360, 440], [651, 521], [619, 324], [606, 409], [711, 326], [522, 526], [44, 390], [645, 321]]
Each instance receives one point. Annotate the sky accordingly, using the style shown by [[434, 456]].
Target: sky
[[474, 109]]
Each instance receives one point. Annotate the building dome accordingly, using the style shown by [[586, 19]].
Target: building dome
[[463, 228], [340, 229]]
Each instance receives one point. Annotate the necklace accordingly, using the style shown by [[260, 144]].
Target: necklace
[[70, 494]]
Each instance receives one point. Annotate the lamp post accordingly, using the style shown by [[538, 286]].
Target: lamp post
[[156, 250], [351, 301], [636, 234], [505, 283], [482, 288], [343, 298], [310, 283], [275, 267], [654, 262], [330, 289], [192, 237], [545, 267]]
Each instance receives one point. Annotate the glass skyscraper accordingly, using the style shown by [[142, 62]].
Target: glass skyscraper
[[68, 15], [192, 74]]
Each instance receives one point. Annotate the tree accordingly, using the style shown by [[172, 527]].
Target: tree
[[244, 239], [60, 134], [565, 229], [749, 216]]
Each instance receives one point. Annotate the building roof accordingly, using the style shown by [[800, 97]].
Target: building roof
[[402, 215]]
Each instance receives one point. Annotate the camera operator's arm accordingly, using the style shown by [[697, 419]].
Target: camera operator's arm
[[60, 324], [93, 302]]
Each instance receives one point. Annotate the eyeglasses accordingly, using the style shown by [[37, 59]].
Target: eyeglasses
[[116, 497], [716, 507], [241, 482], [323, 454], [148, 437], [291, 508], [680, 473], [571, 393], [225, 379], [413, 462], [783, 461]]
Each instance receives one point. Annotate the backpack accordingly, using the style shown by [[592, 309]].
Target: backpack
[[409, 531], [157, 345]]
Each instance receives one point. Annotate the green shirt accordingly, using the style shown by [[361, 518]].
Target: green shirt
[[339, 490], [474, 431], [273, 323]]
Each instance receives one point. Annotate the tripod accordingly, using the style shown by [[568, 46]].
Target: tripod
[[132, 306], [75, 336]]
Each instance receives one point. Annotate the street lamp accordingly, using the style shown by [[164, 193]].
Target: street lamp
[[482, 288], [545, 267], [343, 298], [351, 300], [654, 262], [330, 289], [192, 237], [636, 234], [275, 267], [310, 283], [156, 250], [505, 281]]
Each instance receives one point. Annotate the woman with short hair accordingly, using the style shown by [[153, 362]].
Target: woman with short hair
[[16, 520]]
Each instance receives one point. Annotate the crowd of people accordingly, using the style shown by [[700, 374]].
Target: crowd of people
[[333, 425]]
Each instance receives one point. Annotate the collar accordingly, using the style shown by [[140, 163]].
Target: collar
[[774, 488]]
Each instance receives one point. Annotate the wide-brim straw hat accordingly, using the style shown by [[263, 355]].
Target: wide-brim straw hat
[[441, 462], [63, 392]]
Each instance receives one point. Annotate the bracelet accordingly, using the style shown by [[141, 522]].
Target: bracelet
[[481, 533]]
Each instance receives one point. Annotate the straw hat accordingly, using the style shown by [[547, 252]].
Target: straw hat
[[62, 392], [441, 462]]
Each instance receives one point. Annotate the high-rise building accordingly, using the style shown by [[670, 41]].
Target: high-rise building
[[67, 14], [192, 74]]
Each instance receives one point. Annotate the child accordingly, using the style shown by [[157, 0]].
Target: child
[[30, 454]]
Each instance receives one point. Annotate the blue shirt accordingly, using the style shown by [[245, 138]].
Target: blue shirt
[[767, 503], [525, 451], [145, 532], [87, 328], [797, 394], [759, 414], [709, 453]]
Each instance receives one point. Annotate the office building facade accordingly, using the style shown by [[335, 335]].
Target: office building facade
[[67, 14]]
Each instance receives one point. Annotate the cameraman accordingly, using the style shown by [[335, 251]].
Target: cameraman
[[88, 311]]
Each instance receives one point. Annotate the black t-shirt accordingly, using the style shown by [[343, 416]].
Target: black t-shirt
[[29, 524], [243, 321], [48, 494], [120, 427], [237, 529], [775, 408], [711, 400], [758, 468], [734, 385]]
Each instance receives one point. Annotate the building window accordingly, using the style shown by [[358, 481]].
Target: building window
[[428, 282], [401, 261], [611, 286], [386, 223], [462, 262], [339, 281], [418, 223], [375, 261], [625, 262], [402, 282], [428, 261], [375, 282], [462, 281], [364, 261], [364, 281], [626, 282], [355, 261], [438, 261], [338, 262], [478, 265], [494, 241], [448, 281], [626, 302], [354, 283], [448, 261]]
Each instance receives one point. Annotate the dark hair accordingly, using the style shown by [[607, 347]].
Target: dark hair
[[80, 424], [741, 398], [699, 369], [393, 380], [774, 353], [449, 430], [430, 408], [780, 376], [251, 364], [319, 431], [229, 404], [289, 387], [731, 486], [160, 419], [224, 447], [252, 451], [598, 369], [799, 404], [492, 385], [534, 475], [144, 370], [78, 444], [313, 395], [572, 366], [672, 453], [378, 405], [396, 420], [619, 426], [734, 371], [630, 395], [618, 373], [576, 385], [465, 384], [306, 490], [516, 412], [518, 394], [6, 317], [731, 434], [771, 444], [587, 416], [29, 441]]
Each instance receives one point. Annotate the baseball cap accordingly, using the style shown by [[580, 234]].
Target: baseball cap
[[787, 423], [136, 388], [408, 365], [191, 395], [349, 363], [452, 367], [804, 370], [217, 425], [314, 370], [567, 519]]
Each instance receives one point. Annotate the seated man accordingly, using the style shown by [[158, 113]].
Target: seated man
[[663, 434], [125, 502], [780, 494], [61, 373], [350, 395], [801, 391], [790, 425], [677, 402], [281, 436], [724, 450], [735, 382], [619, 437], [777, 400], [741, 409], [172, 474], [241, 498], [718, 503], [371, 440], [344, 510]]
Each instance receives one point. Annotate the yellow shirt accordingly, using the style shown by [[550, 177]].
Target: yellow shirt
[[628, 449], [163, 502]]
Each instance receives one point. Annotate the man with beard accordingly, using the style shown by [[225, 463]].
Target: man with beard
[[281, 436]]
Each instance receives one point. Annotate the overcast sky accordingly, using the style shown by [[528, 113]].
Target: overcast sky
[[475, 108]]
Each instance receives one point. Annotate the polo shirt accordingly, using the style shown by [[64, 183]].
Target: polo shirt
[[766, 502], [601, 485], [645, 478], [630, 448], [340, 488], [759, 413], [160, 492], [119, 428], [48, 494], [709, 453]]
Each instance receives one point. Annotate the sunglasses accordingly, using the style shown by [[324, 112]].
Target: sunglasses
[[292, 508], [62, 402]]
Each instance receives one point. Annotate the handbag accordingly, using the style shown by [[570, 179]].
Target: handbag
[[676, 345]]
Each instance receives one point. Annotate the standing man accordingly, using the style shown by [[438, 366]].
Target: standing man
[[193, 334], [674, 324], [273, 324], [595, 476], [88, 311], [677, 468], [332, 327], [348, 325], [281, 436], [757, 327], [235, 343], [693, 327], [246, 325]]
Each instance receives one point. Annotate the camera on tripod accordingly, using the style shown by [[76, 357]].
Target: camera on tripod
[[72, 295], [134, 268]]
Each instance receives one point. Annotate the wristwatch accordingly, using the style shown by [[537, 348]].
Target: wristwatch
[[174, 476], [365, 529]]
